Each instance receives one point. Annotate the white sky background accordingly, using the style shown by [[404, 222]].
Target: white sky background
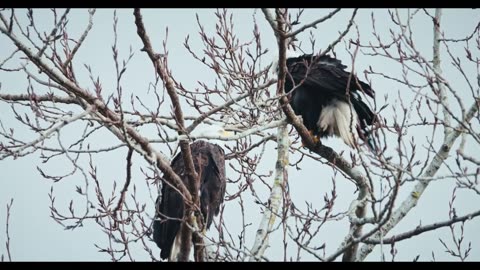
[[35, 236]]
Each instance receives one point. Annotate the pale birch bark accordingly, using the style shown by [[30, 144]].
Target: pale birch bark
[[275, 199]]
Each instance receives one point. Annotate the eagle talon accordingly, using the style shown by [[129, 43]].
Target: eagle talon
[[315, 138]]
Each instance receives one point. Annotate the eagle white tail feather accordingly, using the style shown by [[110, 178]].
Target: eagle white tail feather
[[175, 249], [336, 119]]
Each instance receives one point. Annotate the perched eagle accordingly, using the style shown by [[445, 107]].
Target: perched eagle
[[209, 161], [320, 96]]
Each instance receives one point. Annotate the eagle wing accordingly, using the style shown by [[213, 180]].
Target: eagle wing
[[326, 74], [169, 211], [211, 167], [325, 78]]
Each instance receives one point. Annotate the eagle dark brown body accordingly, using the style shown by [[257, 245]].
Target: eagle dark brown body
[[327, 97], [209, 161]]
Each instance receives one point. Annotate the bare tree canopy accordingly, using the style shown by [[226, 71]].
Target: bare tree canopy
[[99, 110]]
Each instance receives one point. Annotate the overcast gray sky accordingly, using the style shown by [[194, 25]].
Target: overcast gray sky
[[35, 236]]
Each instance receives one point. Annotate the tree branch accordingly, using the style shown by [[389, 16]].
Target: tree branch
[[44, 98], [270, 213], [46, 134], [127, 180], [7, 232], [422, 229], [82, 38], [205, 115], [438, 70], [334, 43], [409, 203], [313, 24], [193, 179], [102, 112]]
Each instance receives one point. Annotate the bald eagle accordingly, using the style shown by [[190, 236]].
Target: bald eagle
[[209, 161], [319, 94]]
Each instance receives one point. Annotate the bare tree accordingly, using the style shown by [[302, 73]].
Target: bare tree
[[427, 130]]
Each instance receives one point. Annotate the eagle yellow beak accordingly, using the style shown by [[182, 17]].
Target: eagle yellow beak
[[225, 133]]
